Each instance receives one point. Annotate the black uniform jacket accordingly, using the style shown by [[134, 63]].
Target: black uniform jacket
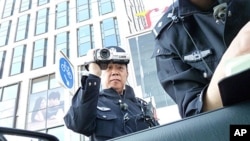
[[104, 115], [189, 44]]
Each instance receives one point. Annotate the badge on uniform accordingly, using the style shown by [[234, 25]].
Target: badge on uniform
[[103, 108], [197, 55]]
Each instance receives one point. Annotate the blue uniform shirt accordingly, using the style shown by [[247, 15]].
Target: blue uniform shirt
[[106, 114], [189, 44]]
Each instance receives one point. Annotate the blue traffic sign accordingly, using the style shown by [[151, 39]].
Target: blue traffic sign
[[66, 73]]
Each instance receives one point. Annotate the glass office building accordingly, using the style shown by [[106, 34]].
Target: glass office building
[[31, 34]]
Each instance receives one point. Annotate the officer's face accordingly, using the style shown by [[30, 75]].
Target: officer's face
[[115, 76]]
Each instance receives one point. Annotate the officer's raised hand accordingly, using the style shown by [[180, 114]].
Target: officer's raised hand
[[93, 67]]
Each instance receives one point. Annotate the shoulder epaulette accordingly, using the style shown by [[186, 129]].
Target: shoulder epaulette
[[166, 20]]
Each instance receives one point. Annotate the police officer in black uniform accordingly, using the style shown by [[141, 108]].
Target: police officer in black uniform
[[112, 112], [191, 41]]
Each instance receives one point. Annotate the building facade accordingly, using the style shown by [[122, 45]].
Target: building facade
[[31, 34]]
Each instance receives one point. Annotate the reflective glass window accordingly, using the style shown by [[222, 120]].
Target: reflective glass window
[[106, 6], [25, 5], [4, 32], [83, 10], [110, 32], [39, 53], [62, 15], [17, 64], [85, 39], [8, 8], [22, 27], [42, 21]]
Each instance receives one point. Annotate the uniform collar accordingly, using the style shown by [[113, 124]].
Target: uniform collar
[[128, 92]]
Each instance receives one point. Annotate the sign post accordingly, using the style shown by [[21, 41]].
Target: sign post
[[65, 72], [65, 77]]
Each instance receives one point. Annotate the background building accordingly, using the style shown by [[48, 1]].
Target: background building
[[33, 31]]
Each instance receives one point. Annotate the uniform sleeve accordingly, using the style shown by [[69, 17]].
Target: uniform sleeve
[[81, 115], [183, 83]]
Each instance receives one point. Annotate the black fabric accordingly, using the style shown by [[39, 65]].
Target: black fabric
[[98, 114], [235, 88]]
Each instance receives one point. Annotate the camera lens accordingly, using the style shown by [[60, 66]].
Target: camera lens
[[104, 53]]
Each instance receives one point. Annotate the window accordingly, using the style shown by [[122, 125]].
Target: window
[[25, 5], [17, 64], [4, 32], [2, 60], [42, 21], [40, 84], [8, 105], [106, 6], [46, 104], [144, 70], [22, 27], [110, 34], [62, 43], [85, 39], [44, 83], [8, 8], [83, 10], [62, 14], [53, 83], [39, 53], [42, 2]]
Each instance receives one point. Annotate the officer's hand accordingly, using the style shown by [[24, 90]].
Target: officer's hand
[[93, 67], [240, 44], [89, 58]]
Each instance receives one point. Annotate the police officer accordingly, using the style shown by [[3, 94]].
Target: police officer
[[112, 112], [191, 41]]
